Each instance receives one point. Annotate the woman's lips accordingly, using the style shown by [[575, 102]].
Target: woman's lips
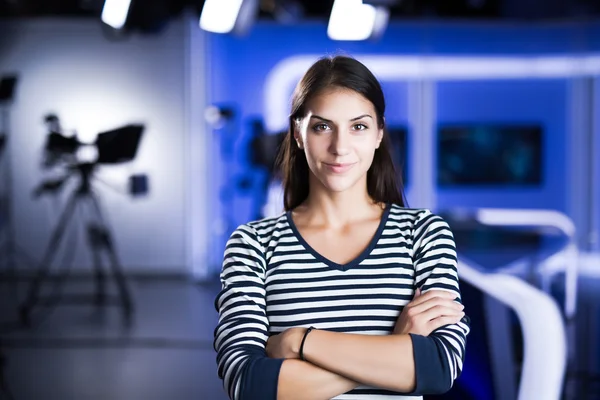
[[339, 168]]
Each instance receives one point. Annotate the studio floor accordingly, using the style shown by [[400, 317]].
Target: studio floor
[[81, 353], [78, 353]]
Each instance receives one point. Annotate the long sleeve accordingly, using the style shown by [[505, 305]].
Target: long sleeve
[[438, 357], [242, 331]]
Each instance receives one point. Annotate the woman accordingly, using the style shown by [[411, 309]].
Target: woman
[[348, 294]]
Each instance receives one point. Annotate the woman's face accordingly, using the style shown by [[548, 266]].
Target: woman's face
[[339, 135]]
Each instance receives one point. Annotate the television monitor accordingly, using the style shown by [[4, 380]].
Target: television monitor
[[490, 154]]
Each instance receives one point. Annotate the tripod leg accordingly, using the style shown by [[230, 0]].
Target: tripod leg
[[115, 265], [44, 266], [95, 242], [5, 392], [117, 271]]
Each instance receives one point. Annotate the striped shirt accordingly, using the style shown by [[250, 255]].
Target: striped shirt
[[272, 280]]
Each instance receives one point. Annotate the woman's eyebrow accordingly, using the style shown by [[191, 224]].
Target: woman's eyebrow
[[321, 118], [361, 117], [353, 119]]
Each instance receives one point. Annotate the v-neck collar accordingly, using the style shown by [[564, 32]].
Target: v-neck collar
[[343, 267]]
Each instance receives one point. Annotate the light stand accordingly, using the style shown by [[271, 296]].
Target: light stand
[[9, 249]]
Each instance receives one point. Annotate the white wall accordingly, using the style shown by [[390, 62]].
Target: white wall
[[94, 84]]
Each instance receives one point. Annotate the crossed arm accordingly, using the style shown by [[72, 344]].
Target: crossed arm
[[331, 369], [300, 380], [386, 362]]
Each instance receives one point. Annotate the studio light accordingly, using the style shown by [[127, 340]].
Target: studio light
[[356, 20], [225, 16], [114, 13]]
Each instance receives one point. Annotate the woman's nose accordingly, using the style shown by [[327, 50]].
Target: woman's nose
[[340, 143]]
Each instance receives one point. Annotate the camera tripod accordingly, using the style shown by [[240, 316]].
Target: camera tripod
[[99, 239]]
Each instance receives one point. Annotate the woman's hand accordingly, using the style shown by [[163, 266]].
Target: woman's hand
[[428, 312], [286, 344]]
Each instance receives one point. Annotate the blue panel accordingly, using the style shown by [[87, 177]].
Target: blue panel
[[541, 102], [396, 97], [240, 65]]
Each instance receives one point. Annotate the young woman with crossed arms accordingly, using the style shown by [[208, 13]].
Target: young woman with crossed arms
[[348, 294]]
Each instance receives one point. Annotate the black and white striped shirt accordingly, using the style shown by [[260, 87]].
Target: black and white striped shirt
[[273, 280]]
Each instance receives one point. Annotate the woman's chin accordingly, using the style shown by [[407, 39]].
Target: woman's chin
[[338, 184]]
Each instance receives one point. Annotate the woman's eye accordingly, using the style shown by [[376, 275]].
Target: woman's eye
[[360, 127], [320, 127]]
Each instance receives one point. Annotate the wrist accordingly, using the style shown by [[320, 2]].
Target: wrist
[[298, 337], [302, 349]]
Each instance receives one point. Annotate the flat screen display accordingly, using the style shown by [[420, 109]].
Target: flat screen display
[[486, 154]]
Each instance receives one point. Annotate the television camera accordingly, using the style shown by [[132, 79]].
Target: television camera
[[60, 150]]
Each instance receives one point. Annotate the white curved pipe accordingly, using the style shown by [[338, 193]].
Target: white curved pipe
[[284, 76], [543, 218], [526, 217], [544, 333]]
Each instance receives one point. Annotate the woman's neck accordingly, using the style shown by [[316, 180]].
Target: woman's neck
[[337, 210]]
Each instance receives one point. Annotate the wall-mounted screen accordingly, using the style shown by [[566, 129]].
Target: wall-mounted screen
[[489, 154]]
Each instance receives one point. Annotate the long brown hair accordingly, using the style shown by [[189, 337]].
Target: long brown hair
[[384, 181]]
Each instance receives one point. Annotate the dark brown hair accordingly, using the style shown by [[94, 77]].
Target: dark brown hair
[[384, 182]]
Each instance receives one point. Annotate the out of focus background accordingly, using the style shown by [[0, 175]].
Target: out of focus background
[[135, 136]]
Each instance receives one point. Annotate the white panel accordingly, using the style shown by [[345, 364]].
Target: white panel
[[94, 84], [595, 171], [422, 149], [579, 159], [198, 143]]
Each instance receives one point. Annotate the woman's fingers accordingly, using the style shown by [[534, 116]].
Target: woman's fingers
[[434, 301], [431, 294], [442, 321], [429, 311], [441, 311]]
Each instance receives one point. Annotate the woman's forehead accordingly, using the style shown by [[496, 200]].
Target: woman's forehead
[[340, 102]]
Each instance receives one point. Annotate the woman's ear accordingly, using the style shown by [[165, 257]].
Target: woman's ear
[[297, 136], [379, 138], [380, 133]]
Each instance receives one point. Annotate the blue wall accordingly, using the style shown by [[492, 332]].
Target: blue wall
[[240, 65]]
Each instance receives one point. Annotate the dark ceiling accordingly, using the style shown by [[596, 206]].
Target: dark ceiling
[[151, 12]]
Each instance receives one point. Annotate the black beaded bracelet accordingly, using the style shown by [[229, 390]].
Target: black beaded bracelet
[[303, 340]]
